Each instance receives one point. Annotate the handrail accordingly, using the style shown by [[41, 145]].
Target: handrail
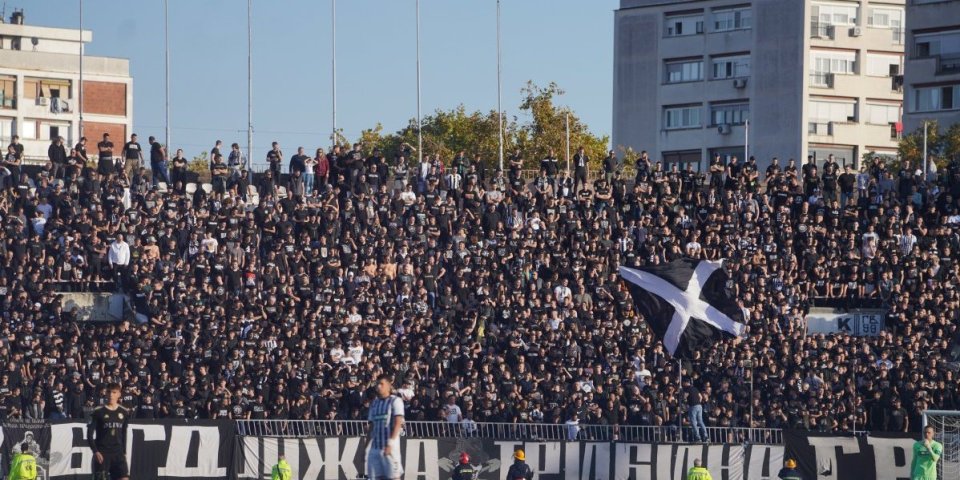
[[513, 431]]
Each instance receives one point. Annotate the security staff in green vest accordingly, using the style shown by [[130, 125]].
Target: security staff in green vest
[[281, 471], [24, 465], [698, 472]]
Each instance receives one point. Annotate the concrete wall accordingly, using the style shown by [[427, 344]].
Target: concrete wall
[[778, 89], [923, 71], [778, 102]]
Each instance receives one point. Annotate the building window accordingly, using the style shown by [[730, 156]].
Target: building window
[[684, 71], [941, 43], [47, 88], [885, 18], [931, 99], [731, 19], [729, 113], [731, 67], [834, 62], [883, 65], [882, 114], [836, 13], [8, 92], [29, 130], [679, 25], [686, 116], [833, 110]]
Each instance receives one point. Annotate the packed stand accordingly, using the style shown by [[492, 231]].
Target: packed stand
[[490, 295]]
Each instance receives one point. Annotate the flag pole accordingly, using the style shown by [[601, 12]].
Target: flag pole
[[80, 88], [333, 43], [568, 142], [250, 91], [499, 90], [166, 82], [419, 121]]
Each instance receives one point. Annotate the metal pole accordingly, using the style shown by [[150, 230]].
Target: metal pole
[[333, 34], [250, 90], [499, 89], [924, 150], [853, 375], [680, 396], [80, 88], [746, 140], [419, 123], [166, 83], [567, 116], [751, 394]]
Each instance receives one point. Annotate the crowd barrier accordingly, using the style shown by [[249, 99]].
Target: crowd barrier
[[225, 449]]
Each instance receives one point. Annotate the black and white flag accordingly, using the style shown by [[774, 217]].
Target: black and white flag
[[686, 302]]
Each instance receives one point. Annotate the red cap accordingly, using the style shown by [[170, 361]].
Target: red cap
[[464, 458]]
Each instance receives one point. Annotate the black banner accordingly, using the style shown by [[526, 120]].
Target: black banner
[[155, 450], [32, 437], [881, 456]]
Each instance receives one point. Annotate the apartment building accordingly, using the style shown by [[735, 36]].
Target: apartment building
[[39, 88], [768, 78], [933, 63]]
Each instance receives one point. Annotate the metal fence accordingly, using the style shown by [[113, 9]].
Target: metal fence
[[513, 431]]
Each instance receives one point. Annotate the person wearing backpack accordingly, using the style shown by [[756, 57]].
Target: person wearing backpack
[[24, 465]]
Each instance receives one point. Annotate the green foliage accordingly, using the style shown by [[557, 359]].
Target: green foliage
[[448, 132], [942, 145], [200, 165]]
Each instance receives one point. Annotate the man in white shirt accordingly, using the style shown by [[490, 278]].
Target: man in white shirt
[[119, 257], [451, 411]]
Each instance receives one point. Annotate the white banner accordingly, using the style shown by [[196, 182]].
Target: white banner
[[861, 323]]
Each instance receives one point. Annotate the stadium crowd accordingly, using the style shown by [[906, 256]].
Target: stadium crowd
[[491, 296]]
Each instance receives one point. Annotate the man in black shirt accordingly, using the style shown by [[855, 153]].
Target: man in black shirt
[[107, 437], [848, 181], [158, 162], [133, 153], [275, 158], [105, 149], [580, 162]]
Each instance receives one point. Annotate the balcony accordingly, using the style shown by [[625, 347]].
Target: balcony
[[822, 30], [948, 64], [821, 80]]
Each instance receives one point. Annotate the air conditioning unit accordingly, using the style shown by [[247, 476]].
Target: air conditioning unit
[[724, 129], [740, 83], [856, 32], [43, 101]]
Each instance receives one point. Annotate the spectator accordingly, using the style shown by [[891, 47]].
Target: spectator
[[57, 154]]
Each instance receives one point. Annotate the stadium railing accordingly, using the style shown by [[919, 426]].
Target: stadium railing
[[513, 431]]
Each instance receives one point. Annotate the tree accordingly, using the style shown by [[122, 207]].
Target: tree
[[547, 128], [448, 132], [942, 146], [200, 165]]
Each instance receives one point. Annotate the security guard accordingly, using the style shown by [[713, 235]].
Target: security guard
[[24, 465], [698, 472], [789, 471], [519, 470], [464, 471], [281, 471]]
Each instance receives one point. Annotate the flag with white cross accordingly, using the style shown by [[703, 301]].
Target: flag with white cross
[[686, 302]]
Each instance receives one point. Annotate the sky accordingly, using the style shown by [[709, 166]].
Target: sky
[[569, 42]]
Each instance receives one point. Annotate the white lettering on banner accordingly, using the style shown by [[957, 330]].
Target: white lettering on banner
[[271, 447], [208, 453], [151, 433], [634, 460], [543, 457], [825, 449], [61, 440], [312, 447], [722, 458], [291, 450], [664, 461], [344, 458], [885, 457], [411, 467], [763, 457], [506, 456], [250, 468], [595, 464], [683, 459]]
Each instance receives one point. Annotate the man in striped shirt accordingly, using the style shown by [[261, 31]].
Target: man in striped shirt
[[386, 421]]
